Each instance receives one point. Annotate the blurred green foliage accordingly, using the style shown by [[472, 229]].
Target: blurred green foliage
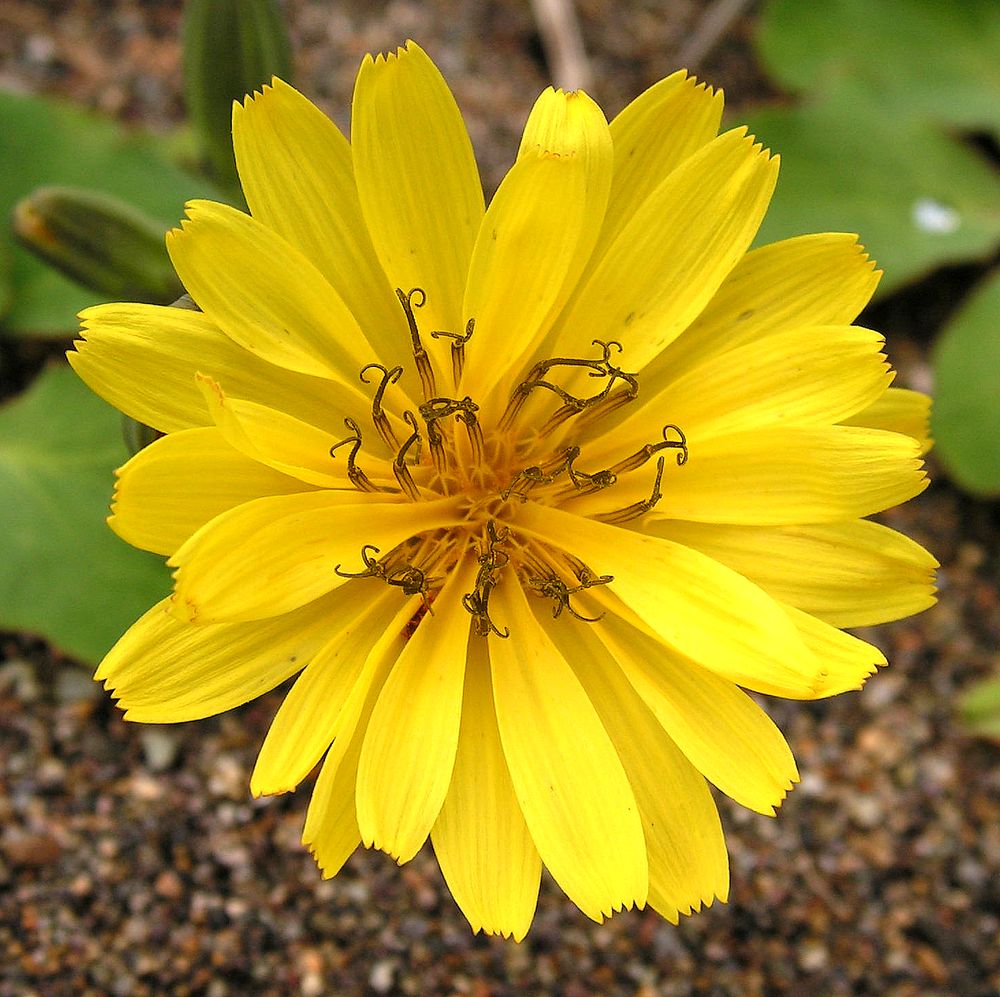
[[967, 391], [980, 709], [45, 142], [231, 47], [879, 141], [63, 573], [874, 143]]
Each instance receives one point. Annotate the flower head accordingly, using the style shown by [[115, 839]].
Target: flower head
[[527, 493]]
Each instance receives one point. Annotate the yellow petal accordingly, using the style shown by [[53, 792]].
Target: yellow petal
[[274, 554], [853, 574], [171, 488], [526, 247], [481, 841], [265, 295], [811, 280], [795, 475], [688, 865], [409, 749], [568, 779], [652, 136], [332, 834], [143, 360], [695, 605], [899, 410], [165, 671], [723, 732], [304, 725], [298, 178], [571, 125], [285, 443], [813, 375], [417, 179], [848, 662], [656, 276], [778, 477], [331, 830]]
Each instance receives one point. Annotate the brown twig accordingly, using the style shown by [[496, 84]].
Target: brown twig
[[563, 43], [712, 25]]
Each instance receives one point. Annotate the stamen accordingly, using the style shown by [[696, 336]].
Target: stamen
[[587, 483], [378, 416], [358, 478], [536, 475], [399, 467], [611, 402], [420, 356], [458, 347], [636, 509], [475, 432], [644, 453], [613, 374], [492, 559], [553, 587], [372, 568], [435, 409], [572, 404], [413, 581]]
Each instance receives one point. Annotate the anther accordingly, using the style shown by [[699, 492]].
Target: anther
[[537, 475], [399, 467], [492, 559], [534, 380], [457, 347], [378, 415], [413, 581], [357, 477], [472, 427], [604, 368], [636, 509], [553, 587], [435, 409], [420, 357], [646, 452], [587, 483], [572, 404]]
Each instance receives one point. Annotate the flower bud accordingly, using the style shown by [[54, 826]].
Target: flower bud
[[99, 241]]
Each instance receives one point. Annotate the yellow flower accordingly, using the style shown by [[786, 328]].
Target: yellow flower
[[525, 493]]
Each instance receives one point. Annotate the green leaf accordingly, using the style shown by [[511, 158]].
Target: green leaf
[[980, 709], [44, 142], [966, 414], [6, 290], [923, 59], [63, 573], [918, 198]]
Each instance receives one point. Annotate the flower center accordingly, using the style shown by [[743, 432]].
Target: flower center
[[446, 451]]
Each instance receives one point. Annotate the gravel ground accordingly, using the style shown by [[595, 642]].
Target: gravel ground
[[132, 860]]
